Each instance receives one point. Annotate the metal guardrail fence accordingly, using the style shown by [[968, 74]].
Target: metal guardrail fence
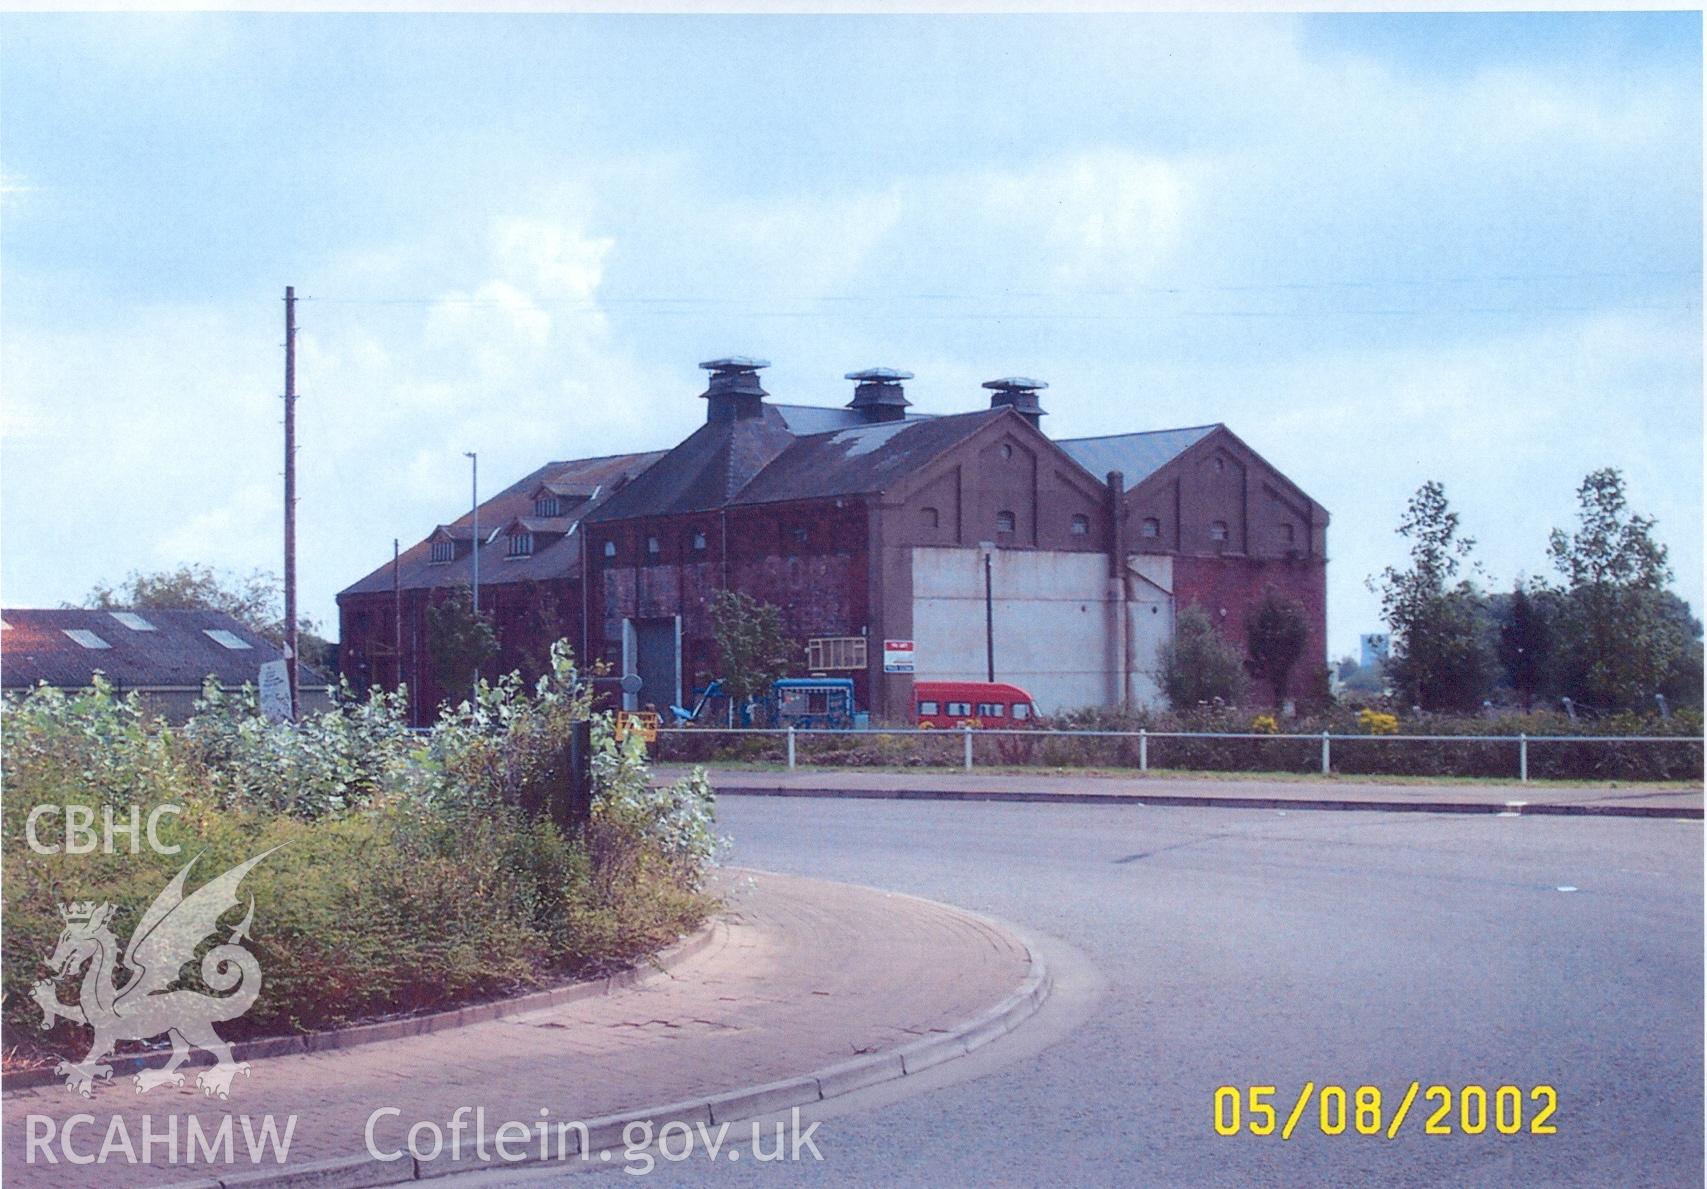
[[1326, 738]]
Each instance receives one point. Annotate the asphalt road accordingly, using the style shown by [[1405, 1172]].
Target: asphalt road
[[1235, 947]]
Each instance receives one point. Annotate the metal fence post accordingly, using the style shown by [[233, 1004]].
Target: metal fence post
[[1523, 758], [1143, 750], [791, 747], [968, 731], [1327, 769]]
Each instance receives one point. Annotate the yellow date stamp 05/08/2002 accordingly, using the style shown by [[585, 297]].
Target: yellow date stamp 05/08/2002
[[1362, 1110]]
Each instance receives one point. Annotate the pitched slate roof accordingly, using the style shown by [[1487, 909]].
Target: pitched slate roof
[[553, 556], [1137, 455], [865, 458], [810, 419], [147, 647], [704, 471]]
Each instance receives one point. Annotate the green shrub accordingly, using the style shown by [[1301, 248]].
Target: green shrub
[[411, 872]]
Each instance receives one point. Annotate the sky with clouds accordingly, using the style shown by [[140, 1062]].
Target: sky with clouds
[[1383, 249]]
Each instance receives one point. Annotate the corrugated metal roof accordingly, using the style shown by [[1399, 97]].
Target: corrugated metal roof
[[1137, 455], [181, 648]]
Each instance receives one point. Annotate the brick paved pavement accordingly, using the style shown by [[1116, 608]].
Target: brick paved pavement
[[805, 974]]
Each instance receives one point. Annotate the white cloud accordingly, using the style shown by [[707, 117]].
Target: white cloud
[[1104, 218]]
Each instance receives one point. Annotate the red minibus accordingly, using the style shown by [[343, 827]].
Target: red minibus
[[971, 703]]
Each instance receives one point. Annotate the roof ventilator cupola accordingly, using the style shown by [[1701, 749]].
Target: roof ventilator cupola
[[734, 393], [878, 396], [1019, 394]]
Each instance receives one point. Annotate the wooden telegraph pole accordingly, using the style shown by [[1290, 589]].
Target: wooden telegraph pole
[[290, 496]]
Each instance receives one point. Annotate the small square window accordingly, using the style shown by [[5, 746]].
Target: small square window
[[1288, 534], [652, 547], [1081, 525], [610, 548], [698, 541], [1152, 527], [1005, 522], [1218, 530], [798, 534], [1022, 710], [929, 517]]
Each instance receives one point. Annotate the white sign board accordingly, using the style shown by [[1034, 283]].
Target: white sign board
[[897, 656], [275, 691]]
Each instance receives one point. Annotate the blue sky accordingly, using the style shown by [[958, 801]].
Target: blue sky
[[1383, 249]]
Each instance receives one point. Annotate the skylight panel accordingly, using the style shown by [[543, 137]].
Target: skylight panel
[[229, 639], [85, 637], [132, 620]]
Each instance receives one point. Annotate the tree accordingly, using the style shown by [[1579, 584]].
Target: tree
[[541, 627], [1621, 634], [256, 600], [752, 649], [1440, 658], [1526, 644], [1197, 665], [459, 641], [1275, 635]]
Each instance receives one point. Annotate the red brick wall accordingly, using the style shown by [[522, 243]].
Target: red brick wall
[[819, 583], [1235, 585], [366, 628]]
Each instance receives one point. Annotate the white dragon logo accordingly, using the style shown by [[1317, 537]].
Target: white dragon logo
[[165, 939]]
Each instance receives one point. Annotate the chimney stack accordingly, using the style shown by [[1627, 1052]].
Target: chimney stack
[[878, 396], [734, 393], [1019, 394]]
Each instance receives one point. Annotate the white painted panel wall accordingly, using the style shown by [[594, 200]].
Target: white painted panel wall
[[1054, 630], [1150, 624]]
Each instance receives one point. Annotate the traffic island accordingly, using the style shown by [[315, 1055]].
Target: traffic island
[[803, 991]]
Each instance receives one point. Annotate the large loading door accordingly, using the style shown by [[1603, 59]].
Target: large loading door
[[657, 662]]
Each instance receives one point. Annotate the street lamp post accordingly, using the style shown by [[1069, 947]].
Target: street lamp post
[[989, 548], [474, 503]]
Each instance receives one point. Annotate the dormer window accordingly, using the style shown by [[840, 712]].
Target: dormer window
[[521, 545], [547, 505], [443, 551]]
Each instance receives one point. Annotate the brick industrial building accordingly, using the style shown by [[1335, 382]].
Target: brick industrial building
[[867, 523]]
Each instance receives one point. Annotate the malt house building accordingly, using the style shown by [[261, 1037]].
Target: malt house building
[[867, 523]]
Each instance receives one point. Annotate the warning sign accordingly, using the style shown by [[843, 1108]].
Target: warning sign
[[897, 656]]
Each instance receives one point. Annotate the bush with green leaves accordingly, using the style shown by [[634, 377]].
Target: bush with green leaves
[[412, 871]]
